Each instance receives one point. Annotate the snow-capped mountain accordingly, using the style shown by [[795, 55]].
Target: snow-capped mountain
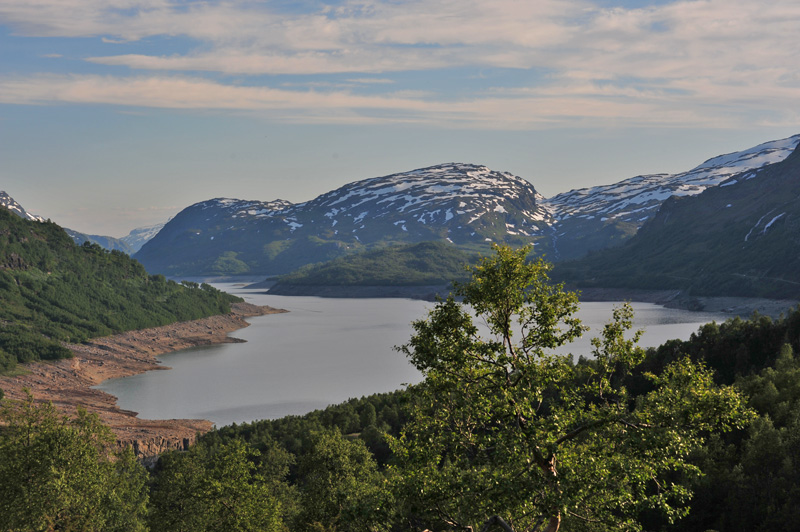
[[139, 236], [79, 238], [596, 217], [108, 242], [739, 238], [465, 204], [9, 203]]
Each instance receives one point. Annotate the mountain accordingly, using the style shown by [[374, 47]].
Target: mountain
[[599, 217], [464, 204], [106, 242], [139, 236], [739, 238], [10, 203], [53, 291]]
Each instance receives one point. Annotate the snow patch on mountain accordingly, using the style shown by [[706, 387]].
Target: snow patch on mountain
[[647, 192], [11, 204]]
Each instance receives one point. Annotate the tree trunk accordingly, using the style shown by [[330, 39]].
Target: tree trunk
[[553, 524]]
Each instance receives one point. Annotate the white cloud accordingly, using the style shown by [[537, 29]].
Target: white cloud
[[578, 104], [704, 61]]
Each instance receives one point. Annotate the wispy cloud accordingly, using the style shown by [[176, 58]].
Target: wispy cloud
[[704, 61], [507, 109], [371, 81]]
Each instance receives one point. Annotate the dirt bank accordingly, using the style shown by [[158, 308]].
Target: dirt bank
[[68, 383]]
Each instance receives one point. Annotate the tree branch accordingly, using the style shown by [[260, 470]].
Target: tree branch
[[496, 520]]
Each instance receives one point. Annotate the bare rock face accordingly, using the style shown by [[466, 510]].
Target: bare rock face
[[147, 450], [14, 262]]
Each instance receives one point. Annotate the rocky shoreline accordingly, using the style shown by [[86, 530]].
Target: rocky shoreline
[[68, 383]]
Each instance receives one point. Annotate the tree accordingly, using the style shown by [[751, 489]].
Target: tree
[[505, 432], [58, 473], [341, 486], [213, 490]]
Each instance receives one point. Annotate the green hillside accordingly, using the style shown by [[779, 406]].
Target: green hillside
[[426, 263], [53, 291]]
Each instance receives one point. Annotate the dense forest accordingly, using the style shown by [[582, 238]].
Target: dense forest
[[53, 291], [425, 263], [694, 435]]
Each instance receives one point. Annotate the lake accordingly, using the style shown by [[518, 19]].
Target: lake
[[323, 351]]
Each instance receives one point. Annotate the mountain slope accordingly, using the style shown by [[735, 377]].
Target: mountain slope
[[140, 236], [106, 242], [11, 204], [467, 205], [603, 216], [739, 238], [426, 263], [52, 290]]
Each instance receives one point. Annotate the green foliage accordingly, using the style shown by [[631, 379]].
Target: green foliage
[[58, 473], [213, 490], [426, 263], [294, 433], [341, 487], [503, 427], [753, 476], [52, 291], [228, 264]]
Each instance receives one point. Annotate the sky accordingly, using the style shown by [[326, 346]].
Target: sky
[[116, 114]]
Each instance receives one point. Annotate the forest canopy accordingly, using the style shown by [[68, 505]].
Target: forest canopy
[[53, 291], [502, 434]]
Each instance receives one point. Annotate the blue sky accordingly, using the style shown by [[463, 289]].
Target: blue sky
[[118, 113]]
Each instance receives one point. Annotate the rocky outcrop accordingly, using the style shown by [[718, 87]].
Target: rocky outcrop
[[13, 262]]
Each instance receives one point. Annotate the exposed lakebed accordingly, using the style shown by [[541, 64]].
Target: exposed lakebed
[[323, 351]]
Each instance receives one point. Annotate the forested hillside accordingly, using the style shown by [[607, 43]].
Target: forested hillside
[[432, 264], [53, 291], [477, 443]]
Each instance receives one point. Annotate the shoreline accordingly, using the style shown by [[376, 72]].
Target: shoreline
[[68, 383], [734, 306], [744, 307]]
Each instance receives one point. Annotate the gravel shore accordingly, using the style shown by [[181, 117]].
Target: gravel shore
[[68, 383]]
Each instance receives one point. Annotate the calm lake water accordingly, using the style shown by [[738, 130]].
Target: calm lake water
[[323, 351]]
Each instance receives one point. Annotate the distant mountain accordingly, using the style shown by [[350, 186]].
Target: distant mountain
[[79, 238], [10, 203], [603, 216], [464, 204], [739, 238], [139, 236], [107, 242]]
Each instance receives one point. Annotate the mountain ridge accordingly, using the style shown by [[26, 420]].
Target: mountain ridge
[[465, 204], [607, 215], [738, 238]]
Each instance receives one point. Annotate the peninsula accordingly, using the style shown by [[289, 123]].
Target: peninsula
[[68, 383]]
